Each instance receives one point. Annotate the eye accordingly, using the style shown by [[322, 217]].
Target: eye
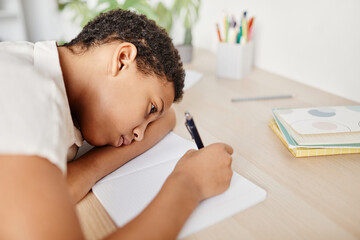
[[153, 109]]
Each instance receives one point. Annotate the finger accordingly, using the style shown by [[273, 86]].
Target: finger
[[190, 151], [229, 161], [228, 149], [230, 175]]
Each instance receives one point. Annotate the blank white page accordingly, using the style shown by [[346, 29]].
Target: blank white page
[[125, 194], [172, 146]]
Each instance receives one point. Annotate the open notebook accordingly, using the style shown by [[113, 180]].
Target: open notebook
[[128, 190], [322, 125]]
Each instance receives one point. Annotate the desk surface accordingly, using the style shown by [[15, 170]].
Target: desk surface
[[308, 198]]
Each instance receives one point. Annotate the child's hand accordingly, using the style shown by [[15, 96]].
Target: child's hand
[[207, 170]]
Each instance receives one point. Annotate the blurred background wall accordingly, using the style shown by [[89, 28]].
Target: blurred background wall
[[313, 42]]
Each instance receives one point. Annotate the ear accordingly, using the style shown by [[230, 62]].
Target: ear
[[124, 55]]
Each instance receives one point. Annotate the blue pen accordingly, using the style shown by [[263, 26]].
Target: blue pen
[[190, 125]]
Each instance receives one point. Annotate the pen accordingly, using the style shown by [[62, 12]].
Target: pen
[[190, 125], [260, 98]]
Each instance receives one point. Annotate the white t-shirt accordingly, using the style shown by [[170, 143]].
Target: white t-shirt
[[35, 117]]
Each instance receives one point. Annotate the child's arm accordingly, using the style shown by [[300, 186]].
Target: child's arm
[[84, 172], [35, 197]]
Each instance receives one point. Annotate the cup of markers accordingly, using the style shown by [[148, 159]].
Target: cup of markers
[[235, 49]]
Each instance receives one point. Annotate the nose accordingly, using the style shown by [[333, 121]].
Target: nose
[[139, 131]]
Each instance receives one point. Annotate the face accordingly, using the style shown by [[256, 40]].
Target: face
[[123, 104]]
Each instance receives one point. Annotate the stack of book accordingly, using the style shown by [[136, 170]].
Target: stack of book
[[318, 131]]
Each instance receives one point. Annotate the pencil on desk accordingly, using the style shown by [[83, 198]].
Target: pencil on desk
[[260, 98]]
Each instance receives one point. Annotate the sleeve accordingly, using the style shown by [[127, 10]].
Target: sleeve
[[31, 121]]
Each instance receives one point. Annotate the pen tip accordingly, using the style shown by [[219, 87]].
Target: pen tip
[[187, 115]]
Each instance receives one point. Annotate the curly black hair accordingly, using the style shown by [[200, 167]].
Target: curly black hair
[[156, 53]]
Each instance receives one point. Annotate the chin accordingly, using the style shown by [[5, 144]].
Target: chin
[[93, 140]]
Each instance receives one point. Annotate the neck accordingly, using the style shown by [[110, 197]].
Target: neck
[[82, 75], [73, 74]]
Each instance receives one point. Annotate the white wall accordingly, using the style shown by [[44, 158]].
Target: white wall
[[316, 42], [12, 24], [44, 22], [41, 19]]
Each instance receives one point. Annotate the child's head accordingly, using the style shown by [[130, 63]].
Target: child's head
[[140, 70]]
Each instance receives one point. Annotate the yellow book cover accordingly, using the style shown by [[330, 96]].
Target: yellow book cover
[[307, 152]]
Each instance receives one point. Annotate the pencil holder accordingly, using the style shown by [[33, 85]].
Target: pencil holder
[[234, 61]]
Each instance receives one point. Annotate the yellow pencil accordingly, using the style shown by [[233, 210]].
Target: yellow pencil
[[244, 29]]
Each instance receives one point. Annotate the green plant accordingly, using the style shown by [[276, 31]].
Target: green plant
[[83, 13], [164, 16], [185, 10], [188, 12]]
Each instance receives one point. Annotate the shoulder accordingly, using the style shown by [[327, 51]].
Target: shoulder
[[32, 110], [17, 51], [24, 81]]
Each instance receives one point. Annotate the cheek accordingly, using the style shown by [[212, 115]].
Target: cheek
[[123, 109], [127, 117], [96, 124]]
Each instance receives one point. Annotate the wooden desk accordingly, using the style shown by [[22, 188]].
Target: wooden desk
[[308, 198]]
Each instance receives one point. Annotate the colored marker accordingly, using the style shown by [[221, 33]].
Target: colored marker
[[226, 22], [239, 35], [250, 25], [232, 31], [244, 29], [218, 32]]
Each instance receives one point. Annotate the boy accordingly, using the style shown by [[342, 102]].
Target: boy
[[113, 85]]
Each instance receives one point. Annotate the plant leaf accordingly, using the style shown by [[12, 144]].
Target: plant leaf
[[164, 17]]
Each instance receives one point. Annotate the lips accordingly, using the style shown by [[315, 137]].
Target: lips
[[120, 142], [126, 141]]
